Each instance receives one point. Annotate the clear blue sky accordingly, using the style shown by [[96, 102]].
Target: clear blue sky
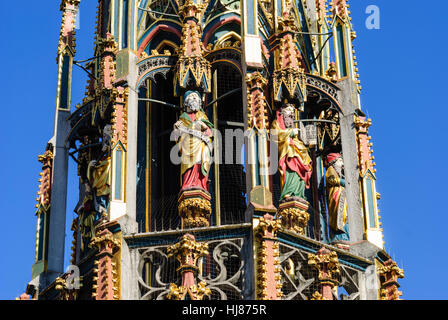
[[402, 69]]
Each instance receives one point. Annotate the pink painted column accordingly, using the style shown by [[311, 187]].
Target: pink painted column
[[389, 274], [188, 252], [267, 262], [105, 288]]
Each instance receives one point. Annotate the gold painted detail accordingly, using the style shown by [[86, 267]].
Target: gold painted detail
[[197, 291], [74, 228], [332, 73], [292, 79], [267, 6], [196, 67], [364, 145], [317, 296], [108, 49], [326, 262], [393, 269], [289, 73], [194, 209], [104, 240], [268, 226], [64, 288], [191, 8], [389, 274], [293, 216], [106, 279], [44, 193], [366, 167], [188, 252], [268, 269], [321, 10], [120, 116]]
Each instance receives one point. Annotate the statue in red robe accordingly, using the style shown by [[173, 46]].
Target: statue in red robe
[[194, 132]]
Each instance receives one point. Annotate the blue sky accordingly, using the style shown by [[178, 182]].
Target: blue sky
[[402, 68]]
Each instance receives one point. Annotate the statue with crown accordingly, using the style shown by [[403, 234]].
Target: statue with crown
[[193, 135]]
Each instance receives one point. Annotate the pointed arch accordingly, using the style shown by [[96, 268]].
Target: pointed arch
[[152, 33]]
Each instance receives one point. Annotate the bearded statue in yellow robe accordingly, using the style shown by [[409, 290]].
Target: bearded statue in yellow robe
[[98, 174], [194, 132], [336, 199], [294, 161], [97, 190]]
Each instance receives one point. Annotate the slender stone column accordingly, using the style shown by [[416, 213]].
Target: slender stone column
[[66, 52], [106, 274], [350, 153]]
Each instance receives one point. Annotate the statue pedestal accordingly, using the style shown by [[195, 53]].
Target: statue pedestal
[[292, 212], [194, 208]]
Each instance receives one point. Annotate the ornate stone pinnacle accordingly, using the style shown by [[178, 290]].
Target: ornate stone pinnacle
[[104, 242], [187, 251], [192, 69], [69, 9], [326, 262], [192, 9], [256, 84], [389, 275], [105, 287], [268, 226]]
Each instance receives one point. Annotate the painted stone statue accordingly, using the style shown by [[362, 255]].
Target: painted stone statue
[[96, 191], [98, 173], [194, 138], [294, 161], [336, 199]]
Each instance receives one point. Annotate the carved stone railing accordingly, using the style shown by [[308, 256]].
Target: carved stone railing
[[221, 270], [150, 66], [313, 81]]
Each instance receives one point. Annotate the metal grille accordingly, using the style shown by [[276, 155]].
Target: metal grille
[[163, 176], [232, 175], [229, 108]]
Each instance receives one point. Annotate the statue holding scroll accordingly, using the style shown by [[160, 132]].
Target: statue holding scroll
[[194, 138]]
